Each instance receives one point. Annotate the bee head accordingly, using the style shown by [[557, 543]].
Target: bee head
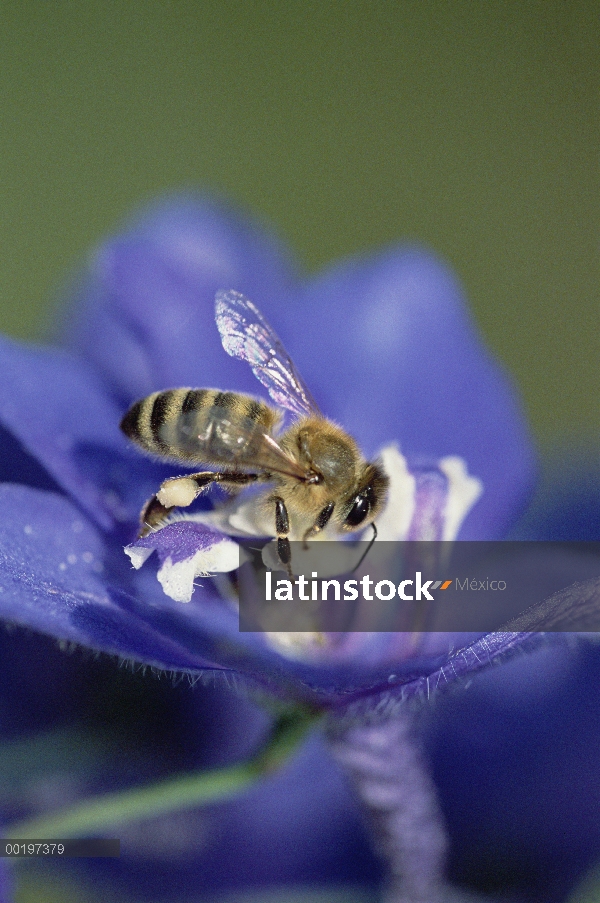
[[367, 500]]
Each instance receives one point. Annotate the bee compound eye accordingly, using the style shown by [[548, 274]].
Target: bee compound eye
[[359, 511]]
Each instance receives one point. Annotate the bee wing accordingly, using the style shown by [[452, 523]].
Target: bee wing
[[215, 437], [245, 334]]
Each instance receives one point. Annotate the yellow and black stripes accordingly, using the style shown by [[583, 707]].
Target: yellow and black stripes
[[199, 425]]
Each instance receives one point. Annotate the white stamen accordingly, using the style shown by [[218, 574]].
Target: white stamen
[[138, 555], [177, 579], [394, 521], [463, 492]]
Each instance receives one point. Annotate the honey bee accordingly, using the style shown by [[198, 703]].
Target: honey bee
[[317, 473]]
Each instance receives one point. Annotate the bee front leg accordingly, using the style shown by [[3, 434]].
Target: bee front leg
[[179, 492], [282, 529], [320, 523]]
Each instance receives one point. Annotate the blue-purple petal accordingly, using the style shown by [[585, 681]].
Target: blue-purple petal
[[145, 312], [180, 540], [60, 413], [185, 550], [57, 576], [386, 344], [52, 579], [516, 765], [389, 351], [50, 557]]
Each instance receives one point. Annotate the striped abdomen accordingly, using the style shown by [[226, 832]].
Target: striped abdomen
[[201, 426]]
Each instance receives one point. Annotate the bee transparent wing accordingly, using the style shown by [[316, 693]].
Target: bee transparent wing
[[245, 334], [214, 437]]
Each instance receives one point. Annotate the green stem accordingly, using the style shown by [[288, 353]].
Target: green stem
[[184, 791]]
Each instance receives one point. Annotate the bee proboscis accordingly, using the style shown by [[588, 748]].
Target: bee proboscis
[[317, 474]]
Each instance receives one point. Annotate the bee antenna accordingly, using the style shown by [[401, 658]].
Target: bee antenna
[[367, 550]]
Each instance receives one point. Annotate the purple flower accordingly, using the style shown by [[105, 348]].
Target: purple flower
[[388, 351]]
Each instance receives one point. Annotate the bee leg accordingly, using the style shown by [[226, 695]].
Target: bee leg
[[176, 492], [320, 523], [151, 516], [282, 528], [179, 492]]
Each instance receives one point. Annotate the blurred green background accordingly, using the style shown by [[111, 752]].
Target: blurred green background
[[471, 127]]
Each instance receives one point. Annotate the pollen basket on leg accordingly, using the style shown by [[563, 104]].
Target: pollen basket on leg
[[178, 492]]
